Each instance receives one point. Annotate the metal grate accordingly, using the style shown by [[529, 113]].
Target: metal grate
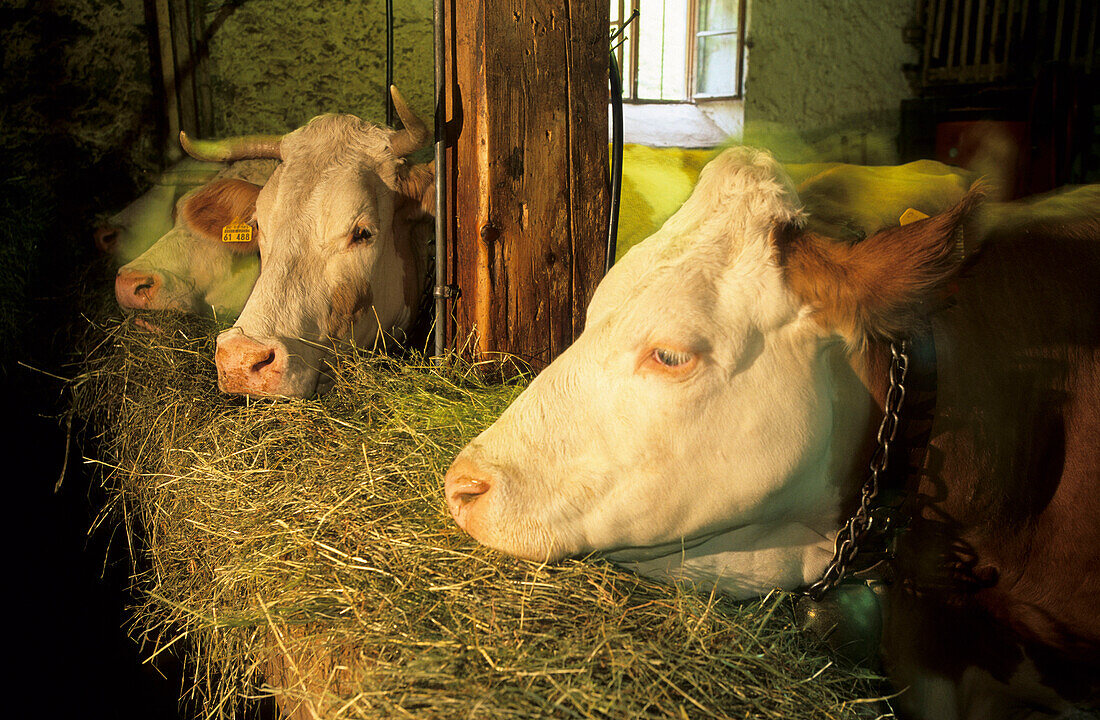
[[976, 41]]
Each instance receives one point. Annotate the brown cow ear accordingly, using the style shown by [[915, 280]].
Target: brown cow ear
[[884, 286], [416, 188], [219, 203]]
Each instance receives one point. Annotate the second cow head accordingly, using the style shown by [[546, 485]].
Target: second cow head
[[340, 230]]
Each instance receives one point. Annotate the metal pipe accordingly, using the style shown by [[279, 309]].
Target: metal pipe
[[389, 63], [440, 179]]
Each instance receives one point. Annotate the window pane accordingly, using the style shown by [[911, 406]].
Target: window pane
[[717, 69], [718, 15], [662, 52]]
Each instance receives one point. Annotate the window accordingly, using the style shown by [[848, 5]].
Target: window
[[680, 50]]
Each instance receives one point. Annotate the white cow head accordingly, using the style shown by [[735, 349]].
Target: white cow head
[[339, 226], [189, 268], [707, 421]]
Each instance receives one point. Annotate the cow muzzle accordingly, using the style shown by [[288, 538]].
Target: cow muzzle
[[250, 367], [482, 503], [138, 290]]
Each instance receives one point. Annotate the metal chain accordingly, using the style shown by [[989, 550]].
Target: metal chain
[[851, 535]]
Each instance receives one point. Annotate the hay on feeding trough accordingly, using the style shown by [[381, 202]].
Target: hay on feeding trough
[[302, 549]]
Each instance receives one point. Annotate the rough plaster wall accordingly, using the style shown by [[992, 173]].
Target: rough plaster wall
[[76, 134], [277, 63], [824, 77], [78, 68]]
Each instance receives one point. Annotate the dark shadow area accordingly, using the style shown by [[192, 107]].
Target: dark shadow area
[[62, 162]]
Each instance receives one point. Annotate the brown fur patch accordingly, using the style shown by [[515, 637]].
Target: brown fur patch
[[882, 286], [347, 307], [217, 204], [416, 191], [415, 203], [1003, 553]]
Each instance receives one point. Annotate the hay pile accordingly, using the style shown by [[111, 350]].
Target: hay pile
[[303, 549]]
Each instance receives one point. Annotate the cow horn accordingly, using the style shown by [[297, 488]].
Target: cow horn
[[415, 134], [233, 148]]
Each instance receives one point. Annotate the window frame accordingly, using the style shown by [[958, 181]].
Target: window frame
[[630, 83]]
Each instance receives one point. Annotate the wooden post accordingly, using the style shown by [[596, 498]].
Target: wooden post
[[528, 171], [185, 83]]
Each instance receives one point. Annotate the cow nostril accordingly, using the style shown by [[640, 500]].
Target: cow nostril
[[143, 288], [267, 360], [466, 489], [470, 490], [106, 238]]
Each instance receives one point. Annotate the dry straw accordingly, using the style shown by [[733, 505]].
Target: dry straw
[[303, 550]]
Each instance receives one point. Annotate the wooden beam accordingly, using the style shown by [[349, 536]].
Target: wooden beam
[[528, 188], [184, 66], [172, 151]]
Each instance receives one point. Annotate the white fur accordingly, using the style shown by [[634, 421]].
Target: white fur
[[730, 474], [199, 275], [336, 170]]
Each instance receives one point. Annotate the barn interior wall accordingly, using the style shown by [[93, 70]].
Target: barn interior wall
[[78, 137], [274, 64], [824, 78]]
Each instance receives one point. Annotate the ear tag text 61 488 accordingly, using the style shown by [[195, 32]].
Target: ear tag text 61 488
[[237, 232]]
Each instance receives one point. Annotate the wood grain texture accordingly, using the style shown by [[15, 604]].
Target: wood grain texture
[[528, 146]]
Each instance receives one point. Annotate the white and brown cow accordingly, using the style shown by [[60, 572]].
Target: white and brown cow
[[715, 418], [189, 268], [342, 236]]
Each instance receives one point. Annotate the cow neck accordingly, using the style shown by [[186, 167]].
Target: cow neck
[[899, 482], [849, 616]]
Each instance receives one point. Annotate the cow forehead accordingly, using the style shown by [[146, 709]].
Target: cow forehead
[[696, 301], [719, 293], [338, 140], [720, 237], [323, 203]]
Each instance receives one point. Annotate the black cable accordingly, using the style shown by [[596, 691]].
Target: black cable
[[616, 160], [389, 63]]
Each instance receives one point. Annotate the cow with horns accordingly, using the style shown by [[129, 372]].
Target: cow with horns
[[716, 418], [342, 234]]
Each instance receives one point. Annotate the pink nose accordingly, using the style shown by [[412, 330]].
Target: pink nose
[[249, 367], [137, 290], [464, 485]]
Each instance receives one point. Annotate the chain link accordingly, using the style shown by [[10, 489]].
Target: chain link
[[852, 533]]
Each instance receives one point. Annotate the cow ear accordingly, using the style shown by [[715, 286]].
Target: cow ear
[[416, 190], [220, 203], [884, 286]]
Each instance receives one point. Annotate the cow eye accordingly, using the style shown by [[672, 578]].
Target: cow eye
[[671, 358], [361, 235]]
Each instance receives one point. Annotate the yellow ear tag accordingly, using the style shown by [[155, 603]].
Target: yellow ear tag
[[237, 232], [911, 215]]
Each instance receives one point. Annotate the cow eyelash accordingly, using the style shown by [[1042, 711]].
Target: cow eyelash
[[671, 358]]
